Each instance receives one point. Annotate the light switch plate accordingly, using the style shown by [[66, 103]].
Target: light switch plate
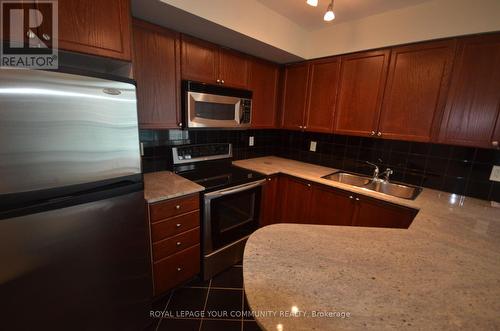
[[250, 141], [312, 147], [495, 174]]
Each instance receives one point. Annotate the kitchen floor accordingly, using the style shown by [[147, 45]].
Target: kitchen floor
[[223, 293]]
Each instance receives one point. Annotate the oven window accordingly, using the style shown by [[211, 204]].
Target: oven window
[[214, 111], [234, 216]]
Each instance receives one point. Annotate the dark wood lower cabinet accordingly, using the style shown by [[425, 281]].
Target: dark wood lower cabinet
[[376, 213], [305, 202], [295, 197], [331, 207], [269, 209]]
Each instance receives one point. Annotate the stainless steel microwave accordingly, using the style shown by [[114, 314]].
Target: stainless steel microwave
[[215, 106]]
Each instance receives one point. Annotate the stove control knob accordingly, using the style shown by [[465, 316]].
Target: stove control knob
[[181, 157], [187, 157]]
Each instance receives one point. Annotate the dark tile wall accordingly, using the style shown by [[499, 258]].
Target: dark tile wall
[[453, 169], [158, 143]]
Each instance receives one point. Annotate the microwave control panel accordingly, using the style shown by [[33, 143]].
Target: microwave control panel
[[245, 110]]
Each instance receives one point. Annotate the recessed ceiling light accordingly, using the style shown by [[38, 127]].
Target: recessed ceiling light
[[329, 15], [313, 3]]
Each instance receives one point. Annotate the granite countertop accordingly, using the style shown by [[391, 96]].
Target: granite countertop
[[165, 185], [441, 273]]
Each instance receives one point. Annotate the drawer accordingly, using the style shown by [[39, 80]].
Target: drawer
[[174, 207], [175, 225], [175, 244], [176, 269]]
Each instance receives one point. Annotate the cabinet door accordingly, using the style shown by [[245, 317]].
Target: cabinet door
[[294, 96], [416, 90], [495, 142], [323, 84], [156, 70], [295, 200], [362, 81], [233, 69], [98, 27], [263, 82], [473, 102], [269, 202], [199, 60], [331, 207], [376, 213]]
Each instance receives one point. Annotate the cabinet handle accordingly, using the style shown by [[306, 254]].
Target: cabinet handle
[[305, 127], [30, 34], [357, 199], [179, 125], [178, 243], [178, 207], [372, 133], [300, 126], [178, 225], [351, 197], [495, 144], [222, 81], [379, 134], [45, 36], [269, 179], [308, 185], [218, 81], [179, 269]]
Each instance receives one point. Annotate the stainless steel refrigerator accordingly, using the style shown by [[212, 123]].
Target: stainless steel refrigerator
[[73, 238]]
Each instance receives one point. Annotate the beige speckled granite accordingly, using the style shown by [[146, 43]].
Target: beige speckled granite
[[165, 185], [443, 273]]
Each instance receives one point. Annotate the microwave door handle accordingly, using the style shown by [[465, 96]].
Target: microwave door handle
[[238, 189]]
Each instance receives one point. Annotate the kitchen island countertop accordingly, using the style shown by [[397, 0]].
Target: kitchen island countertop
[[441, 273]]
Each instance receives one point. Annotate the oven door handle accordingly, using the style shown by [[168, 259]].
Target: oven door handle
[[241, 188]]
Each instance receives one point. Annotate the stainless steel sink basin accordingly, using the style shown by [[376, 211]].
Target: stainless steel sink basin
[[348, 178], [393, 189]]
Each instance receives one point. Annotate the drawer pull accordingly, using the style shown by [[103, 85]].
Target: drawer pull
[[179, 269], [179, 243], [178, 207], [178, 225]]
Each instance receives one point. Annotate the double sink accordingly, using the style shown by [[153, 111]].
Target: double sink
[[393, 189]]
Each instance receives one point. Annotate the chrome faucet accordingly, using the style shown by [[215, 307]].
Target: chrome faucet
[[376, 173]]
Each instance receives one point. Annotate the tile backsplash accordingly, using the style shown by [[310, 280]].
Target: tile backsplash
[[460, 170]]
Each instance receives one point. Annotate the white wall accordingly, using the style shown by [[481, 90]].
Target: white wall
[[429, 20], [250, 18]]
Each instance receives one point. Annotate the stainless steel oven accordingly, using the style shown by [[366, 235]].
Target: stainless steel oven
[[230, 216], [214, 106]]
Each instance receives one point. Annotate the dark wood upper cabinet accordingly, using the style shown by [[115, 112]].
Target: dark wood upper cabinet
[[263, 81], [233, 68], [97, 27], [473, 104], [323, 84], [269, 212], [377, 213], [208, 63], [331, 207], [295, 197], [156, 70], [362, 81], [199, 60], [294, 96], [416, 90]]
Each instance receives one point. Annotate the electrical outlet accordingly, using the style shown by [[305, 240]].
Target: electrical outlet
[[251, 141], [495, 174], [312, 146]]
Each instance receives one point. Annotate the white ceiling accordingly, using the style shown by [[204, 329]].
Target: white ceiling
[[311, 18]]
